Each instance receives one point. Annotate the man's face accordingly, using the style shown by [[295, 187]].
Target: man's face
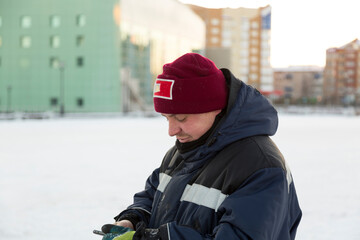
[[190, 127]]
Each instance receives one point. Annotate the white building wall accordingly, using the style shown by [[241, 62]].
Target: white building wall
[[172, 28]]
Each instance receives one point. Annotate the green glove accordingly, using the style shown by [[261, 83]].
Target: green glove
[[125, 236], [114, 232]]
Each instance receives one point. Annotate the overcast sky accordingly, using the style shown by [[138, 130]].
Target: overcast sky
[[302, 30]]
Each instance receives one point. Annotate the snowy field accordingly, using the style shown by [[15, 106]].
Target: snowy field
[[62, 178]]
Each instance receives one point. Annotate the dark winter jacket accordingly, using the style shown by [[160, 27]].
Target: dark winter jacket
[[235, 186]]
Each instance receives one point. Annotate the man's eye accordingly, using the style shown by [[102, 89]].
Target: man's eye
[[181, 118]]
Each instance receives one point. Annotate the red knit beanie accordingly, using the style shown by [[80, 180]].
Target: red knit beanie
[[191, 84]]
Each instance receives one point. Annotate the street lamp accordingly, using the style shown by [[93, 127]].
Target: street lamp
[[9, 88], [62, 88]]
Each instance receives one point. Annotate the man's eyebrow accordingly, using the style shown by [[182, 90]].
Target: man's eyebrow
[[169, 115]]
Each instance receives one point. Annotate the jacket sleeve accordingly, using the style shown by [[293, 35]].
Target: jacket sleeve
[[262, 208], [140, 210], [258, 209]]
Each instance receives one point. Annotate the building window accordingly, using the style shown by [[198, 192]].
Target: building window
[[25, 22], [350, 55], [54, 62], [245, 25], [254, 41], [80, 20], [244, 53], [215, 30], [25, 41], [244, 44], [349, 63], [226, 42], [288, 76], [253, 76], [214, 40], [80, 61], [215, 21], [254, 33], [80, 102], [55, 21], [350, 72], [80, 40], [53, 102], [254, 25], [254, 51], [254, 59], [55, 41]]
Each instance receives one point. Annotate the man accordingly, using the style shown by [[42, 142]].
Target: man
[[224, 178]]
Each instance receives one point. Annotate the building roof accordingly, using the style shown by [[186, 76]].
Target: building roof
[[355, 44]]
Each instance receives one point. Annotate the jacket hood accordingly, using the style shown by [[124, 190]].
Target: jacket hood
[[248, 114]]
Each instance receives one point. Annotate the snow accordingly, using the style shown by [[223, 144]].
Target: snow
[[62, 178]]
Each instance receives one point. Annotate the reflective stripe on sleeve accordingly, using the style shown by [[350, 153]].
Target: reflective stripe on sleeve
[[204, 196]]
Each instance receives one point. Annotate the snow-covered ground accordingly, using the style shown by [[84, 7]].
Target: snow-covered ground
[[62, 178]]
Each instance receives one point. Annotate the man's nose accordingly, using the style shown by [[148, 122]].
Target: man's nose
[[174, 127]]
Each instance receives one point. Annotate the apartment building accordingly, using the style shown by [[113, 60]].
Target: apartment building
[[239, 39], [342, 74], [298, 84]]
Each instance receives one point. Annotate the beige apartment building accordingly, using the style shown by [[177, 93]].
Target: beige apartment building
[[342, 74], [298, 84], [239, 39]]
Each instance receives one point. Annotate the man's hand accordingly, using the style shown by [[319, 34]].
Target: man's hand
[[125, 223], [115, 232]]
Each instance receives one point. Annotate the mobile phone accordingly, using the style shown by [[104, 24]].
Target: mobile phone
[[98, 232]]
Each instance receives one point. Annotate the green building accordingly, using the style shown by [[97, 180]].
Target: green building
[[77, 56], [59, 53]]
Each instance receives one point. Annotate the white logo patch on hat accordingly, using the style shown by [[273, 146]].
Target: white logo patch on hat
[[163, 88]]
